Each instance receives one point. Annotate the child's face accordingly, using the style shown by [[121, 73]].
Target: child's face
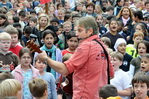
[[22, 18], [54, 23], [125, 13], [138, 28], [67, 6], [43, 21], [5, 45], [113, 26], [79, 7], [121, 3], [126, 3], [144, 64], [51, 10], [14, 38], [90, 9], [48, 40], [60, 6], [10, 20], [116, 63], [32, 24], [122, 48], [67, 28], [120, 28], [147, 7], [40, 65], [73, 43], [60, 30], [137, 39], [75, 19], [141, 49], [140, 90], [61, 15], [34, 14], [25, 60], [99, 19]]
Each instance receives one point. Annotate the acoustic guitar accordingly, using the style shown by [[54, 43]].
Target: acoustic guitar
[[67, 84]]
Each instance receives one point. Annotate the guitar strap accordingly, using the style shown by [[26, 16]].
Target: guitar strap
[[106, 53]]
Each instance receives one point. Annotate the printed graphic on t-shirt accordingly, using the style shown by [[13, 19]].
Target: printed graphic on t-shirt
[[6, 67]]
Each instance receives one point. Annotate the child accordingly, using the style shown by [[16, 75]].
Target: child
[[102, 29], [140, 83], [67, 26], [112, 34], [142, 49], [118, 6], [54, 22], [15, 46], [107, 42], [60, 43], [120, 29], [10, 87], [142, 28], [120, 46], [131, 48], [139, 27], [121, 79], [51, 50], [41, 66], [60, 16], [145, 63], [33, 22], [74, 19], [25, 72], [8, 60], [108, 91], [72, 42], [27, 31], [39, 88], [146, 3], [60, 29], [43, 23], [22, 15]]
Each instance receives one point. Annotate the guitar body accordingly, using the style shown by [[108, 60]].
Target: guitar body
[[67, 86]]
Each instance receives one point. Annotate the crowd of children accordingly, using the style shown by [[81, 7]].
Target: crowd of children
[[123, 26]]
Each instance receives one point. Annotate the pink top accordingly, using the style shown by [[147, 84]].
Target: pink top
[[90, 69]]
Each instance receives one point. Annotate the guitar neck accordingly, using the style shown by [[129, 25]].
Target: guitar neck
[[33, 46], [39, 51]]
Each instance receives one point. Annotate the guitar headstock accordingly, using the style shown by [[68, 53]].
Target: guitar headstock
[[33, 46]]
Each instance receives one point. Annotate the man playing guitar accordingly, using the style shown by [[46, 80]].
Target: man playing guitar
[[89, 62]]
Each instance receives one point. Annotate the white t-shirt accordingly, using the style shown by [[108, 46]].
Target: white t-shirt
[[121, 81]]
